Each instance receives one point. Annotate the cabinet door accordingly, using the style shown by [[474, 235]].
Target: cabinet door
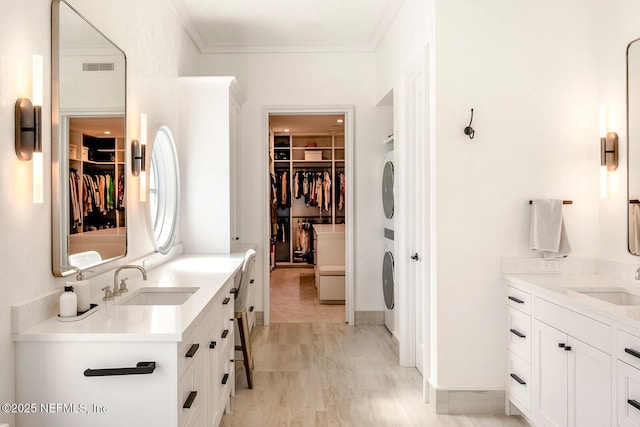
[[628, 395], [550, 367], [589, 385], [234, 117]]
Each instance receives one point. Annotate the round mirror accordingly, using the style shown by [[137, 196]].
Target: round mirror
[[164, 189]]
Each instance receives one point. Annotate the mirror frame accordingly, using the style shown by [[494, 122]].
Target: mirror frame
[[60, 195]]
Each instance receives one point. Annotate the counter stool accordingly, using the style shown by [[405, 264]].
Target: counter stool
[[241, 303], [331, 284]]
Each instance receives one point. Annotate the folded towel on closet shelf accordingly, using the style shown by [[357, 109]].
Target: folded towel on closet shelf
[[548, 233]]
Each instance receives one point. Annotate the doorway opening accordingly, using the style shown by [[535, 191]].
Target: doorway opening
[[308, 211]]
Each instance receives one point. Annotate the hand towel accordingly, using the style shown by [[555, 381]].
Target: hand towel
[[548, 233]]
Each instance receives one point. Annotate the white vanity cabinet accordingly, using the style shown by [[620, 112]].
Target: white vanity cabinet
[[518, 333], [190, 385], [210, 168]]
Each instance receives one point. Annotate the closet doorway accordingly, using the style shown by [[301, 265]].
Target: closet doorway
[[308, 217]]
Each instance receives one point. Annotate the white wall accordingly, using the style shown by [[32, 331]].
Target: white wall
[[610, 48], [529, 71], [278, 80], [157, 51]]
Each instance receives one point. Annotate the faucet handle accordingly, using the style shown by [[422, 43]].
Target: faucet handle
[[123, 285], [107, 293]]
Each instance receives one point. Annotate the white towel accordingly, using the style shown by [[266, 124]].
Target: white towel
[[548, 233]]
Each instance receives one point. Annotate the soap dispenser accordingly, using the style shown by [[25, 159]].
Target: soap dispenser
[[68, 303], [83, 292]]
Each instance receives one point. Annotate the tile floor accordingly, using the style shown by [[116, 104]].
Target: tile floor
[[311, 369]]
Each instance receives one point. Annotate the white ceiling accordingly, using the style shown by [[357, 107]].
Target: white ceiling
[[251, 26], [306, 123]]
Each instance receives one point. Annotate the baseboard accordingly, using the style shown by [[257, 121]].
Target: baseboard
[[458, 402], [369, 318]]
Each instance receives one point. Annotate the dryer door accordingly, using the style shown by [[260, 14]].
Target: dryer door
[[387, 190], [387, 280]]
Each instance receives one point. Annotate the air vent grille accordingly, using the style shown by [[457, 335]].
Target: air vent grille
[[98, 66]]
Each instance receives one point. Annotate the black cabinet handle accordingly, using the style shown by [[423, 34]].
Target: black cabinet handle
[[251, 281], [140, 369], [237, 238], [225, 378], [225, 333], [518, 379], [233, 291], [567, 348], [415, 257], [251, 308], [561, 345], [190, 399], [212, 344], [226, 301], [192, 350], [634, 403], [517, 333], [632, 352], [516, 300]]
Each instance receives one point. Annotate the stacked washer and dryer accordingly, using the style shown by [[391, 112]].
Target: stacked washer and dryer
[[388, 270]]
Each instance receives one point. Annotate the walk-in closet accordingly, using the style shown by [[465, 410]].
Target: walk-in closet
[[308, 210]]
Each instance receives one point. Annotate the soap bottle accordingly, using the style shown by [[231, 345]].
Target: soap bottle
[[68, 303], [83, 292]]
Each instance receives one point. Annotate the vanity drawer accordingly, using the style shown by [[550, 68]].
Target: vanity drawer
[[628, 395], [519, 333], [519, 387], [584, 328], [629, 349], [190, 348], [520, 300], [192, 392]]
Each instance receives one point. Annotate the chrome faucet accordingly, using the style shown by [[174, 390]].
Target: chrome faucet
[[123, 286], [638, 274]]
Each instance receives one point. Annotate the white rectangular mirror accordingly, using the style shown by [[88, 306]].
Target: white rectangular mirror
[[88, 167]]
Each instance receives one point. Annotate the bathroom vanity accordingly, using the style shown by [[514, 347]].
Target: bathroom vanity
[[573, 349], [160, 355]]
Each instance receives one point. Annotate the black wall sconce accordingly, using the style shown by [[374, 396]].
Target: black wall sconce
[[469, 130]]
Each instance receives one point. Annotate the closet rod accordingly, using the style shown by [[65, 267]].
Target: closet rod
[[564, 202]]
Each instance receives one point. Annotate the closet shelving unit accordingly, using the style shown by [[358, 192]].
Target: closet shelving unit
[[292, 152], [94, 156]]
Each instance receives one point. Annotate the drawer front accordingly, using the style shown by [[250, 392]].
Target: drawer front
[[192, 392], [519, 387], [519, 334], [629, 349], [520, 300], [587, 330], [628, 395], [189, 349]]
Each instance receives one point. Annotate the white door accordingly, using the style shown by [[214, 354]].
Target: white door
[[550, 367], [589, 385]]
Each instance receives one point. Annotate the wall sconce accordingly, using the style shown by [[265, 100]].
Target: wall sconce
[[138, 157], [608, 152], [28, 129]]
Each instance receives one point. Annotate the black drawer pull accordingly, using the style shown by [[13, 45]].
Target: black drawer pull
[[226, 301], [632, 352], [516, 300], [140, 369], [190, 399], [225, 333], [251, 309], [561, 345], [517, 333], [225, 379], [192, 351], [634, 403], [251, 281], [518, 379], [233, 291], [212, 344], [567, 348]]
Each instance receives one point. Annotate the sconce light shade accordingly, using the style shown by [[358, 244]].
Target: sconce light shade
[[609, 151], [138, 154]]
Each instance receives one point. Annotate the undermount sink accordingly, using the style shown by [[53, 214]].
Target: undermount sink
[[160, 296], [612, 296]]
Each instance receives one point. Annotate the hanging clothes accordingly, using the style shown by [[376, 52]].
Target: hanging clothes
[[340, 190]]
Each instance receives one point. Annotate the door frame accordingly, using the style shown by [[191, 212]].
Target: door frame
[[348, 111]]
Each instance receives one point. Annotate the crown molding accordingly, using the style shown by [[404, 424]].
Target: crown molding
[[387, 19], [252, 48]]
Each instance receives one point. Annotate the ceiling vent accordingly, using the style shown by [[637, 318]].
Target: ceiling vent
[[98, 66]]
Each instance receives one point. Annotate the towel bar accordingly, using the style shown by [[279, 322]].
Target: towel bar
[[564, 202]]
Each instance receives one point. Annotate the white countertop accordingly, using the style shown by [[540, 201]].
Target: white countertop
[[563, 287], [329, 228], [114, 322]]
